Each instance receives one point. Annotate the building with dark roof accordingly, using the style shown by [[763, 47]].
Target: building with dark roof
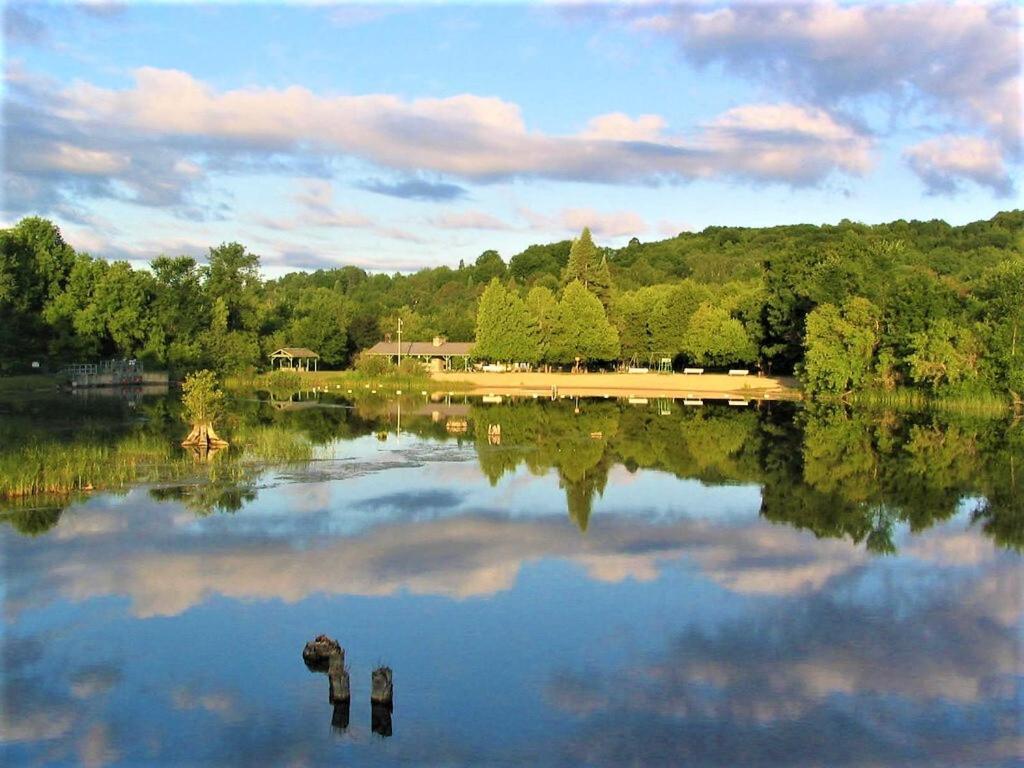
[[439, 354]]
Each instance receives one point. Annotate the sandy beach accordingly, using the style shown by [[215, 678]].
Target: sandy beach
[[704, 386]]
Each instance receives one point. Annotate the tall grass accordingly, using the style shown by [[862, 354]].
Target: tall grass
[[975, 403], [273, 445], [289, 382], [61, 468]]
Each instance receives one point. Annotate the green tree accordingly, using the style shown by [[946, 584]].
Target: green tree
[[715, 338], [321, 324], [671, 313], [582, 260], [504, 327], [840, 345], [601, 282], [488, 266], [945, 354], [1001, 291], [581, 329], [233, 275], [202, 400], [543, 308]]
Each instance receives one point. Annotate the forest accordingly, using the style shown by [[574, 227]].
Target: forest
[[846, 307]]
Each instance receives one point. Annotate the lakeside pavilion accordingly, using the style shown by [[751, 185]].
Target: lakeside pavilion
[[295, 358], [438, 354]]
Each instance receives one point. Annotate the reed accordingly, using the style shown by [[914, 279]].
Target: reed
[[289, 382], [273, 445], [973, 403], [62, 468]]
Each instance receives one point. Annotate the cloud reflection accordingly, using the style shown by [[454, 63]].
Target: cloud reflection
[[905, 678]]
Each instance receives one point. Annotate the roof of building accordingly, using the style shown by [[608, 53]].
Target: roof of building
[[423, 348], [294, 352]]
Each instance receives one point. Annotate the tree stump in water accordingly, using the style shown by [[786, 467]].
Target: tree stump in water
[[381, 686], [202, 435]]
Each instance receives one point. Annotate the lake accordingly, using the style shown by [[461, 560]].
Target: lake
[[577, 582]]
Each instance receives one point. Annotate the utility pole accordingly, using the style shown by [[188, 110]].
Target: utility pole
[[399, 341]]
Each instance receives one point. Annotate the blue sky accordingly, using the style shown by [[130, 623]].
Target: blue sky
[[394, 137]]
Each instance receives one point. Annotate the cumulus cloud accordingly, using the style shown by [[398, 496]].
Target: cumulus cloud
[[962, 57], [414, 189], [828, 663], [317, 207], [156, 141], [601, 223], [473, 554], [469, 220], [19, 26], [944, 162]]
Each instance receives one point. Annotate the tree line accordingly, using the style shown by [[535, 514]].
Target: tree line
[[847, 306]]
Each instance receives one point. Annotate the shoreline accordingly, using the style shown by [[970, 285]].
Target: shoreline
[[709, 386]]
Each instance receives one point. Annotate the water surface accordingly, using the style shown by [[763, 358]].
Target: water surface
[[603, 584]]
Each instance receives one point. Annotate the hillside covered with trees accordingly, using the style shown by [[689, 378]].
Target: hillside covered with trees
[[847, 306]]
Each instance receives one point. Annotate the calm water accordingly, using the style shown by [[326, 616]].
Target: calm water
[[622, 585]]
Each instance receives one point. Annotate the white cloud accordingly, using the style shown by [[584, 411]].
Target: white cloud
[[959, 61], [963, 57], [601, 223], [469, 220], [155, 141], [943, 162]]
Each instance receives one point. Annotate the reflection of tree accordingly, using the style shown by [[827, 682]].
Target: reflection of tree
[[860, 473], [32, 521], [580, 491], [207, 498], [552, 435]]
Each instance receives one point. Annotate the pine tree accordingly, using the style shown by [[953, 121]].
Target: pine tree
[[543, 308], [581, 328], [601, 282], [504, 327], [582, 260]]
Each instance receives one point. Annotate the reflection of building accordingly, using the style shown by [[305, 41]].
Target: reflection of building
[[113, 373], [439, 354]]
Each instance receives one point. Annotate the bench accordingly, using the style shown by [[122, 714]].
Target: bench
[[693, 371], [739, 372]]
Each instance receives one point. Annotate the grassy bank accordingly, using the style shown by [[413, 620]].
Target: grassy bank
[[42, 467], [27, 383], [970, 404], [288, 382]]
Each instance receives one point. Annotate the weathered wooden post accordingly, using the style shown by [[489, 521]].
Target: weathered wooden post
[[325, 654], [382, 693], [382, 686]]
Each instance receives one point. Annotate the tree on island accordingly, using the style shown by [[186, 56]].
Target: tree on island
[[203, 403]]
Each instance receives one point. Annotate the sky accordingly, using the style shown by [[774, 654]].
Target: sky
[[395, 137]]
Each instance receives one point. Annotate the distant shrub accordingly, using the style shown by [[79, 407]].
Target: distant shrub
[[410, 366], [283, 380], [373, 365]]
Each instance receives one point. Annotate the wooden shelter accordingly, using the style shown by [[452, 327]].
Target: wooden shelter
[[296, 358], [439, 354]]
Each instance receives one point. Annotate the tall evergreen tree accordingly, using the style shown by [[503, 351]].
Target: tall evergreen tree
[[582, 330], [504, 328], [543, 307], [601, 282], [582, 260]]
